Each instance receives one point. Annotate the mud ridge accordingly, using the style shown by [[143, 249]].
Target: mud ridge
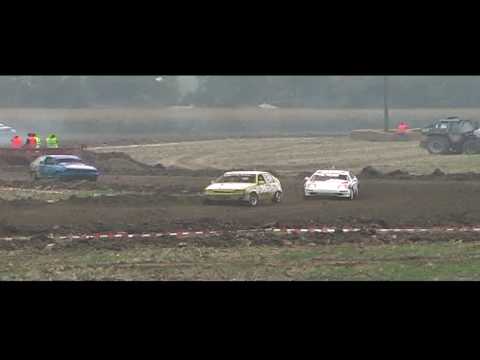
[[437, 174]]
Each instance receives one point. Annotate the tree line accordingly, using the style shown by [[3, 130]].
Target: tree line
[[282, 91]]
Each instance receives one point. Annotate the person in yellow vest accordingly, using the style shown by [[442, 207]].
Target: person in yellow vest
[[52, 141], [38, 143]]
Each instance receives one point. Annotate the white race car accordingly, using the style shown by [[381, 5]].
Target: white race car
[[335, 183]]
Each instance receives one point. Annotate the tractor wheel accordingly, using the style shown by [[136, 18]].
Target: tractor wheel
[[471, 147], [437, 145]]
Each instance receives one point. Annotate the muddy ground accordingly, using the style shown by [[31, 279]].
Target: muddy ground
[[168, 199]]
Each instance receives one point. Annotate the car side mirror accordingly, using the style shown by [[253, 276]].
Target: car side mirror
[[42, 162]]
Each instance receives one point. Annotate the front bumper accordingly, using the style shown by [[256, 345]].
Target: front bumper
[[225, 197], [76, 176], [328, 193]]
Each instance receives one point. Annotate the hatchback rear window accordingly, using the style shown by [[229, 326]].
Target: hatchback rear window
[[325, 177]]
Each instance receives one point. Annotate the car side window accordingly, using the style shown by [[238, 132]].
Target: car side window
[[261, 178], [49, 161]]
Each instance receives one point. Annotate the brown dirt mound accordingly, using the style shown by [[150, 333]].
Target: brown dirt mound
[[380, 135], [437, 174], [370, 171], [119, 163], [398, 174]]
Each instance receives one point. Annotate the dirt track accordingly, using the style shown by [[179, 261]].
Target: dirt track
[[167, 199], [175, 205]]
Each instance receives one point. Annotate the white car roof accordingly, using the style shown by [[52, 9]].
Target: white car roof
[[331, 172], [245, 172]]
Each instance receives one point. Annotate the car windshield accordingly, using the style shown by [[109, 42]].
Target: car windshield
[[441, 125], [236, 179], [325, 177]]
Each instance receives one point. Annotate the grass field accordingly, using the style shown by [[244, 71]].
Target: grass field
[[297, 154], [421, 261]]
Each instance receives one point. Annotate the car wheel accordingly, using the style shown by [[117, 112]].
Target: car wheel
[[277, 197], [253, 199]]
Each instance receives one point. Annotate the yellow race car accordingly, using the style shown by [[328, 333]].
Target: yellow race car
[[244, 186]]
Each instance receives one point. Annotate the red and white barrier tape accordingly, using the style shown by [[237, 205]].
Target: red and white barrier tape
[[183, 234]]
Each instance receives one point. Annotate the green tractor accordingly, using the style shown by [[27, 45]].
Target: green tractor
[[452, 136]]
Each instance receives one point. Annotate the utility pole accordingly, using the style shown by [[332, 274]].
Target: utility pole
[[385, 104]]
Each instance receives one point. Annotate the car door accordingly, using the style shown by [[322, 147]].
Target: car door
[[42, 168], [262, 187], [48, 168], [353, 182], [271, 185]]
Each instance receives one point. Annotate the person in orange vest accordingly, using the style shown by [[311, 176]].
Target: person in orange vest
[[31, 142], [402, 128], [16, 142]]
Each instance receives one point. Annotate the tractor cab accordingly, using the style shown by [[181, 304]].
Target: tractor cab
[[450, 125]]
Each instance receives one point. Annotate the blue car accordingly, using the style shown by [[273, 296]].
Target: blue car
[[62, 167]]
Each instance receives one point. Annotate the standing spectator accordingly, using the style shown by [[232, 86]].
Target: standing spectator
[[52, 141], [402, 128], [16, 142], [37, 140], [31, 142]]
